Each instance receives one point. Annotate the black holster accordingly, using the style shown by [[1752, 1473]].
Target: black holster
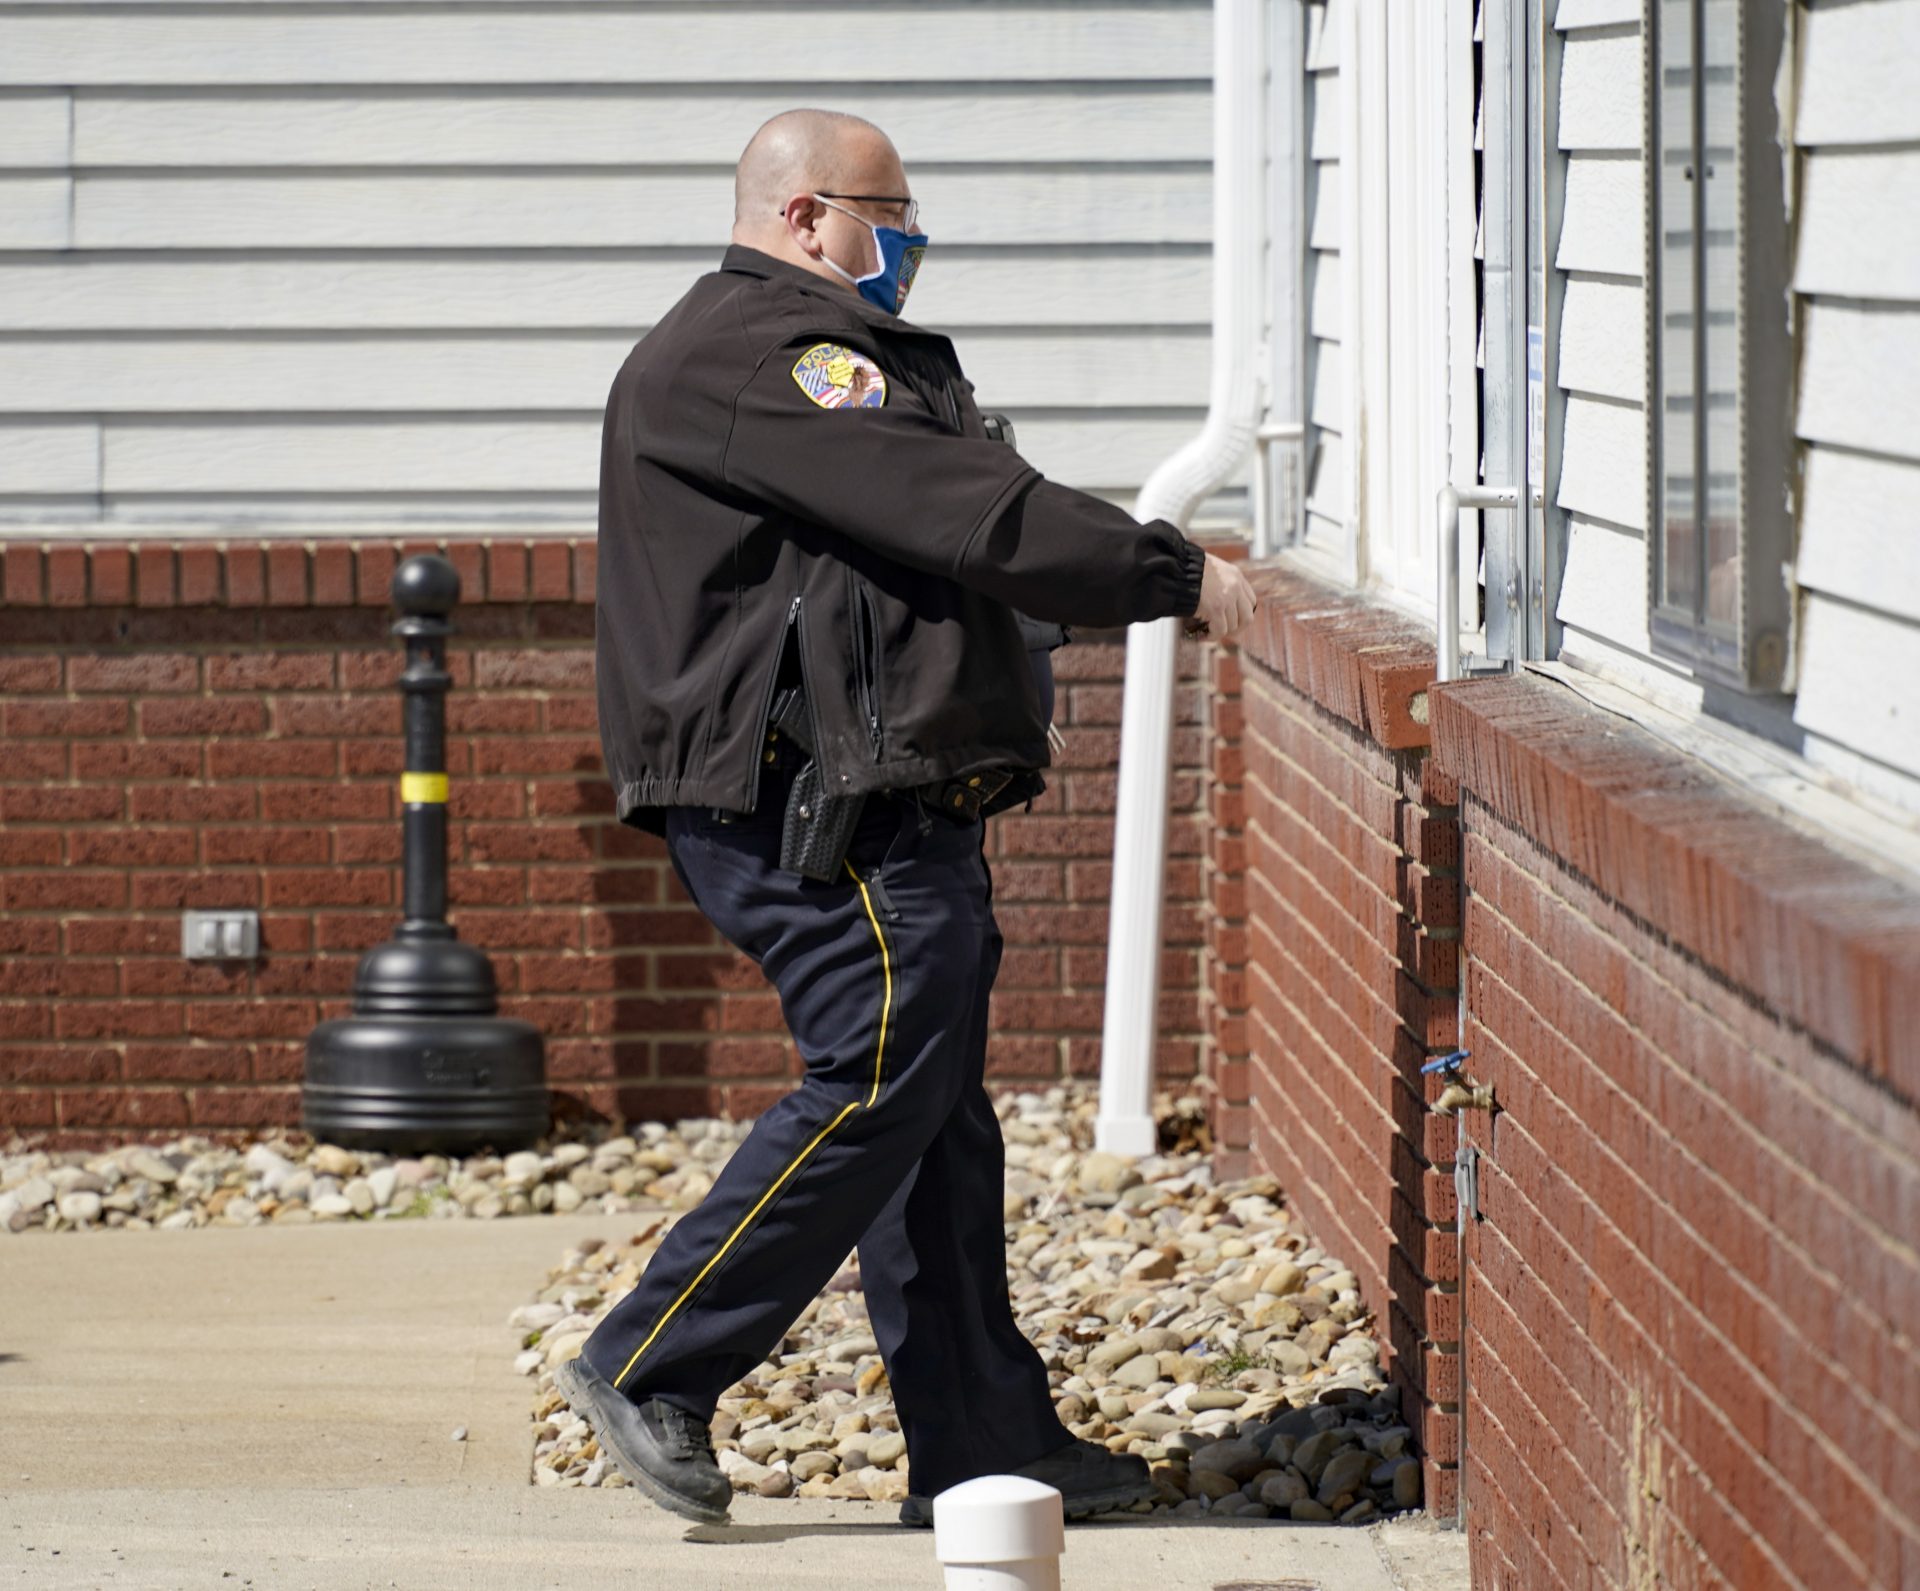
[[818, 825]]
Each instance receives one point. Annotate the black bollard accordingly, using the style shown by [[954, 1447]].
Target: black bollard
[[424, 1064]]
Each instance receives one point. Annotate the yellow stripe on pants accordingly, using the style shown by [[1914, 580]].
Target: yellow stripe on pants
[[879, 1061], [886, 968]]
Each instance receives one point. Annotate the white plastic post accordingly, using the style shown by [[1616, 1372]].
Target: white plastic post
[[999, 1533]]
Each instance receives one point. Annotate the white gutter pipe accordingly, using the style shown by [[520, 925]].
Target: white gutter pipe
[[1174, 490]]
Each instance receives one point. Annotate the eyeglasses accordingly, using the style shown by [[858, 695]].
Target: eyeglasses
[[909, 222]]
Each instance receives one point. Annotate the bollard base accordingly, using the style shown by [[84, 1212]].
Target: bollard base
[[999, 1533], [426, 1084], [1035, 1575]]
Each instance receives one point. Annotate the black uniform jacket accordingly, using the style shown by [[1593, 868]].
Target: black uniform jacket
[[781, 461]]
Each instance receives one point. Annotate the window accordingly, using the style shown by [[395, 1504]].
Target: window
[[1720, 425]]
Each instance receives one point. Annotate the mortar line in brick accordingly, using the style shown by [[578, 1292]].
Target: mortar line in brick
[[1667, 1521], [1303, 1125], [1336, 735], [1325, 1224], [1511, 1249], [1850, 1214], [1672, 1519], [1659, 1202], [1497, 1520], [1519, 1530], [1495, 1296], [1607, 1530], [1307, 775], [1656, 1352], [1364, 1044], [1748, 997], [1369, 1110], [1277, 843], [1386, 845], [1821, 1049], [1768, 1309], [1296, 922], [1483, 1539], [1387, 952], [1482, 1546], [1335, 1160], [1339, 862], [1782, 1073]]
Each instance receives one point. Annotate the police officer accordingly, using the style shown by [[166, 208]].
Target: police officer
[[818, 582]]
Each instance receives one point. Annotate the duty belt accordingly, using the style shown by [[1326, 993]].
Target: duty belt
[[818, 823], [962, 799]]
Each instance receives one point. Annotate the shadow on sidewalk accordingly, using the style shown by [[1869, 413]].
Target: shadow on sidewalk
[[761, 1535]]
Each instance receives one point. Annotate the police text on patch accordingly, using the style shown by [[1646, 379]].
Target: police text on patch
[[838, 377]]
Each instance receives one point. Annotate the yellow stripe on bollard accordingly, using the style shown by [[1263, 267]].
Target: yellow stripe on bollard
[[421, 789]]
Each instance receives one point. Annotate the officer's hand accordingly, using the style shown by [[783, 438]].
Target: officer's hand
[[1226, 600]]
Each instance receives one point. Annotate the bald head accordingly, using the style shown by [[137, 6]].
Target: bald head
[[803, 151], [798, 154]]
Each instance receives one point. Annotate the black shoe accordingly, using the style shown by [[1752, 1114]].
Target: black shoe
[[663, 1450], [1089, 1479]]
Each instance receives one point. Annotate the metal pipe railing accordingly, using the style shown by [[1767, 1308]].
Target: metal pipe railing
[[1447, 572], [1264, 437]]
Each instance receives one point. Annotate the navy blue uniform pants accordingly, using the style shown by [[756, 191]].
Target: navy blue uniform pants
[[889, 1144]]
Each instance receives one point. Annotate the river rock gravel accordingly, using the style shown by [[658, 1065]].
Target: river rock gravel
[[287, 1179], [1196, 1325]]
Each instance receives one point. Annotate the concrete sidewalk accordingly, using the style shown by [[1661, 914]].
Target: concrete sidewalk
[[274, 1407]]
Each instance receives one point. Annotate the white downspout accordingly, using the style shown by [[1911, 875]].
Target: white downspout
[[1174, 490]]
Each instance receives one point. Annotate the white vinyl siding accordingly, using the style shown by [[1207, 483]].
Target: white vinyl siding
[[229, 210], [1858, 277], [1325, 449], [1601, 353], [164, 43], [340, 264]]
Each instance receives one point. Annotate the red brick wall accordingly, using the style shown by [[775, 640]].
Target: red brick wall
[[1348, 941], [1681, 1347], [1691, 1298], [216, 725], [1223, 981]]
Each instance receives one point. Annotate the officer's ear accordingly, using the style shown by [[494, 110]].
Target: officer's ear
[[803, 214]]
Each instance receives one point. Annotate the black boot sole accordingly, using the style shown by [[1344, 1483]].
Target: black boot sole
[[585, 1400]]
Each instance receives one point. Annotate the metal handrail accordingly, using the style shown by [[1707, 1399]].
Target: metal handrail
[[1264, 437], [1451, 500]]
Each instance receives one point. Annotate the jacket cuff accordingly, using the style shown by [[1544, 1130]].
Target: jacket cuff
[[1191, 573]]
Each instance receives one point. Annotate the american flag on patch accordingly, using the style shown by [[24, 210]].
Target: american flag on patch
[[837, 377]]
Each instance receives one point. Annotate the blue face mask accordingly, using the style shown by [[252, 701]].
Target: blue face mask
[[887, 285]]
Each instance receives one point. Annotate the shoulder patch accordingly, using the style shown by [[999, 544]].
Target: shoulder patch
[[838, 377]]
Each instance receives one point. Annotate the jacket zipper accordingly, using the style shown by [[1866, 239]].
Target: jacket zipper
[[797, 615], [766, 703], [867, 652]]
